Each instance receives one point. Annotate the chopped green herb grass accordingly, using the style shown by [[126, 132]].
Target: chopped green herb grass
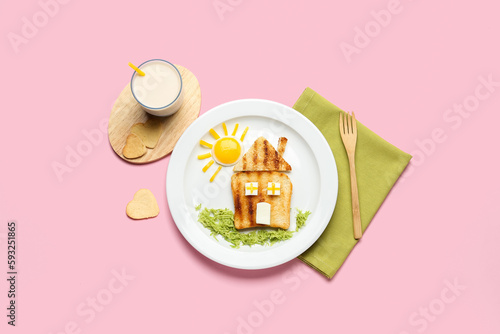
[[301, 219], [221, 222]]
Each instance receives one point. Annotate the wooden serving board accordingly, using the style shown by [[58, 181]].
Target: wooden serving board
[[127, 112]]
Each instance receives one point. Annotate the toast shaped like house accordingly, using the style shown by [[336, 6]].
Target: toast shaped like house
[[261, 191]]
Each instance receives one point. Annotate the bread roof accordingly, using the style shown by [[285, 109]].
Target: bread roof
[[262, 156]]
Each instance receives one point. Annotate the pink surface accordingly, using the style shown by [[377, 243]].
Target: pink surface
[[438, 228]]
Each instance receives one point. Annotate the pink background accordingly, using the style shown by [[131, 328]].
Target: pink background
[[439, 224]]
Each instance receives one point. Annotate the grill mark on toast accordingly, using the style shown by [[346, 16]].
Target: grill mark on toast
[[266, 154], [237, 203], [254, 158], [250, 210], [276, 160]]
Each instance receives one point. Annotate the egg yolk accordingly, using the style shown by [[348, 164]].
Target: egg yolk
[[227, 150]]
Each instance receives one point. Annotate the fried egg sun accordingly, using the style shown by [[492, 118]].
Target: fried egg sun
[[226, 151]]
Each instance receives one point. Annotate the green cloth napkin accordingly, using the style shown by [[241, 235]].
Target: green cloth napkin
[[378, 165]]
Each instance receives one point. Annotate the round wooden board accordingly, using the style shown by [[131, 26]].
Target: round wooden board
[[127, 112]]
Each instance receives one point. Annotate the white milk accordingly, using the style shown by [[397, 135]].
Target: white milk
[[159, 91]]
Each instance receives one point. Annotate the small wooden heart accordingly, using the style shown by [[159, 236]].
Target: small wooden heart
[[149, 132], [143, 205], [134, 147]]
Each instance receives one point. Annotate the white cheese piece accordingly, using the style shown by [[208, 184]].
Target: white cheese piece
[[273, 188], [263, 215], [251, 189]]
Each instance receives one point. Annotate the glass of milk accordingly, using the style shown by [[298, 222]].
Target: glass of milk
[[159, 91]]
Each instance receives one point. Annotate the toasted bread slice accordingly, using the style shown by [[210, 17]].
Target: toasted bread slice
[[282, 145], [262, 156], [245, 207]]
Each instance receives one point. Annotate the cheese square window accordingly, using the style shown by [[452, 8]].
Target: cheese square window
[[273, 188], [251, 189]]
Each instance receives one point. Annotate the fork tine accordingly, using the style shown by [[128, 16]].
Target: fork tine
[[354, 126], [349, 123], [346, 125]]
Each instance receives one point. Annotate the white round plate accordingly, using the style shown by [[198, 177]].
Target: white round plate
[[314, 178]]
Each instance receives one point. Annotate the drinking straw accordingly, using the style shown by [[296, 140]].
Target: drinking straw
[[137, 69]]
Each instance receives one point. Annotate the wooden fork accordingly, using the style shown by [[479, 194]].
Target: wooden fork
[[349, 134]]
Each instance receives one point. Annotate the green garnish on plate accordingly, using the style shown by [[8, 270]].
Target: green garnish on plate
[[301, 218], [221, 222]]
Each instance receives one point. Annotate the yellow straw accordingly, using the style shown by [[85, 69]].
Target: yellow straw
[[139, 72]]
